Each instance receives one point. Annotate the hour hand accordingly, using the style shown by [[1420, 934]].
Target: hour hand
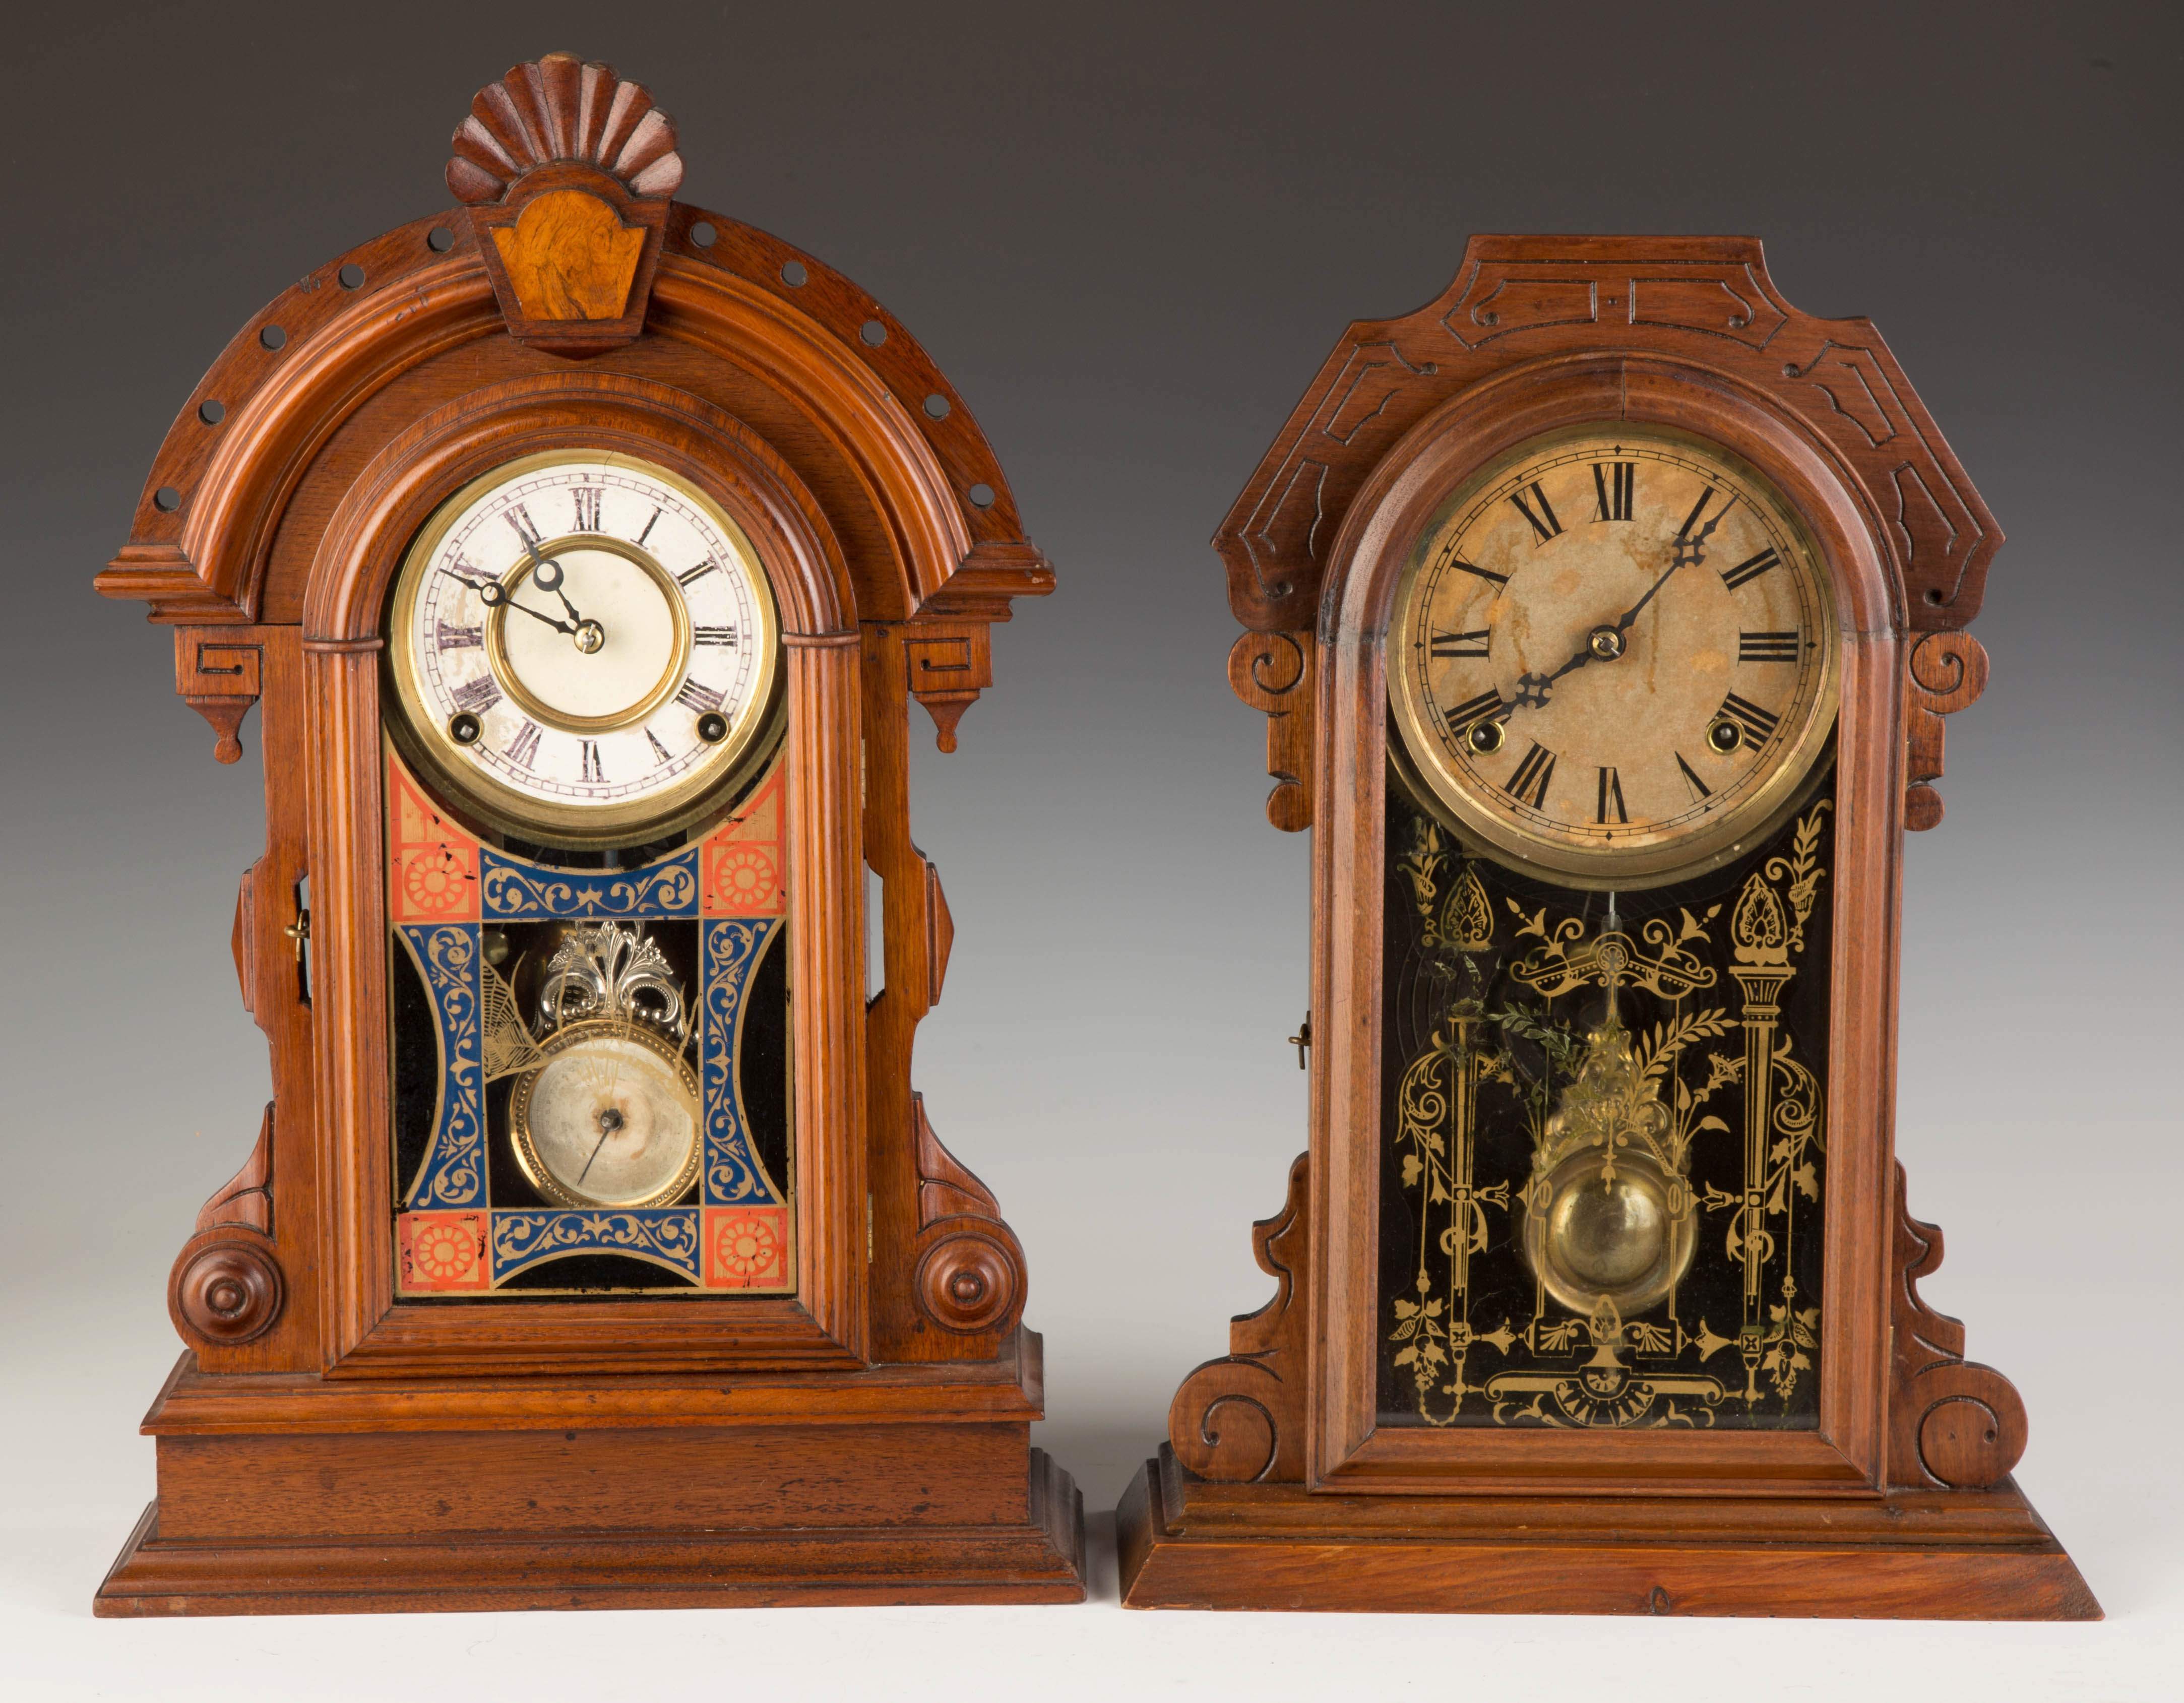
[[494, 595]]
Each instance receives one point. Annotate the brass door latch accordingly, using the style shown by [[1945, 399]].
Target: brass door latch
[[1302, 1040]]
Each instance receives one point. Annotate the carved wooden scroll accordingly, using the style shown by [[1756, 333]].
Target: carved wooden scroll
[[1272, 672], [1951, 1421], [970, 1266], [1241, 1419], [226, 1286], [567, 170], [1942, 673], [218, 671]]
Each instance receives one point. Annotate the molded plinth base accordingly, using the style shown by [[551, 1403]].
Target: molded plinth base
[[1187, 1542], [289, 1495]]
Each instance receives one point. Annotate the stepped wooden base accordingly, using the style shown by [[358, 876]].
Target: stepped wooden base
[[287, 1495], [1186, 1542]]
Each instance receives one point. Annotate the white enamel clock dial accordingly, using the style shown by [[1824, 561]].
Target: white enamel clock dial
[[1613, 655], [584, 645]]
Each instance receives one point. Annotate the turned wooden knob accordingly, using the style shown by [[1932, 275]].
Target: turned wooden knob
[[225, 1293]]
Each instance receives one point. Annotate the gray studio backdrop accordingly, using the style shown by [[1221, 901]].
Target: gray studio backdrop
[[1129, 236]]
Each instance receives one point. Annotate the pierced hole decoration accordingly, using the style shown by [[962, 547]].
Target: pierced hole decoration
[[981, 495], [351, 276], [272, 337], [211, 412], [166, 499], [874, 333], [703, 234], [439, 239], [794, 275], [937, 406], [562, 108]]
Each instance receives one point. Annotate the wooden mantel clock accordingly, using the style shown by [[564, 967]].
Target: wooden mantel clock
[[585, 551], [1605, 612]]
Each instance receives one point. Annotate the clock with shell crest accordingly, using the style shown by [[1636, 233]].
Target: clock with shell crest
[[584, 552], [1604, 613]]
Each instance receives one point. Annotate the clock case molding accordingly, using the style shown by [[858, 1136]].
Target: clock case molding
[[323, 1445], [1276, 1489]]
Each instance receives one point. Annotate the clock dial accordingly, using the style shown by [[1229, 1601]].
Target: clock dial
[[1613, 655], [584, 645], [610, 1119]]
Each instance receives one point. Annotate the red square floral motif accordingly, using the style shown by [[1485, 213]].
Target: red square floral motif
[[433, 866], [743, 860], [746, 1247], [440, 1251]]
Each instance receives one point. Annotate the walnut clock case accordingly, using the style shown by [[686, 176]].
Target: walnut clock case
[[1604, 613], [585, 551]]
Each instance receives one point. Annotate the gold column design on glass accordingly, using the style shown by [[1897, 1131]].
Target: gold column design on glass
[[1437, 1114], [1764, 932]]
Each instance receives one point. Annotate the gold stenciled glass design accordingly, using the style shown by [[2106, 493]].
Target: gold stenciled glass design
[[584, 648], [1613, 655], [1602, 1198]]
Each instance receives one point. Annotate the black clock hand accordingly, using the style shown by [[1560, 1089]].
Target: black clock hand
[[493, 595], [1604, 643], [609, 1121], [538, 565]]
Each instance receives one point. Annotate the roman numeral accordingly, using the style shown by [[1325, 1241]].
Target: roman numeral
[[459, 637], [1543, 523], [1457, 643], [1699, 788], [1755, 721], [1614, 483], [648, 525], [1698, 508], [524, 746], [477, 696], [1482, 573], [1767, 647], [1611, 798], [1750, 569], [1473, 709], [701, 698], [716, 635], [460, 569], [593, 771], [587, 507], [1529, 784], [699, 572], [519, 517], [658, 751]]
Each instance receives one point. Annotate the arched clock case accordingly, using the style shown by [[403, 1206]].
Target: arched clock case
[[1604, 612], [584, 552]]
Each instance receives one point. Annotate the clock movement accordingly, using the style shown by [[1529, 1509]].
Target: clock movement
[[585, 552], [1604, 612]]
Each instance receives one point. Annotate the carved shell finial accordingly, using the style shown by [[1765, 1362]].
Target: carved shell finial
[[560, 109]]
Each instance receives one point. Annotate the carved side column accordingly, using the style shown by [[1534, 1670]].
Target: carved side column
[[826, 943]]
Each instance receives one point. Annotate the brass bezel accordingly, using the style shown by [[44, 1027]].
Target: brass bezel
[[696, 795], [1709, 843], [567, 1039]]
